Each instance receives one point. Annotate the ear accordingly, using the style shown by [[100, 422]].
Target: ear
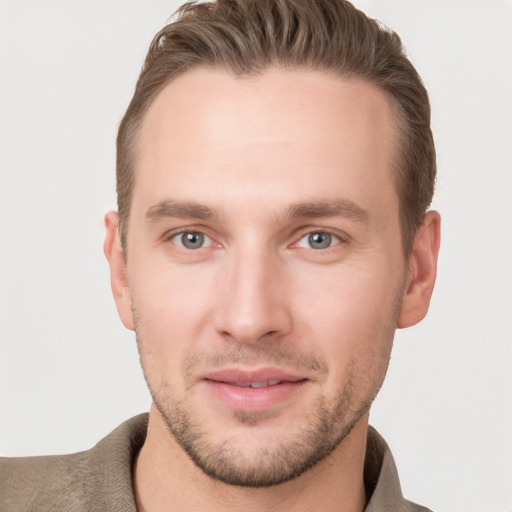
[[116, 260], [422, 271]]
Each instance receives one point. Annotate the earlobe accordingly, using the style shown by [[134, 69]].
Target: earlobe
[[422, 271], [116, 260]]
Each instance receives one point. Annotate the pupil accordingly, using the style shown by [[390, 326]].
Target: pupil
[[320, 240], [193, 240]]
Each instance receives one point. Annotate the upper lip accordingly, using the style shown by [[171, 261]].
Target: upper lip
[[240, 376]]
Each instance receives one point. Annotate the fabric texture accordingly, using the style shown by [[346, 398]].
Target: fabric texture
[[100, 479]]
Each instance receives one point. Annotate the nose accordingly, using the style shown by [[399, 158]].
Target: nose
[[253, 302]]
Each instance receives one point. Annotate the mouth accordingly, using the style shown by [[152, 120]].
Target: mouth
[[253, 390], [256, 385]]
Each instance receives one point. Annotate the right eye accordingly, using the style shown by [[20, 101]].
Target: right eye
[[318, 240], [191, 240]]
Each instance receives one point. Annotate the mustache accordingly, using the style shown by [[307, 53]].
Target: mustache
[[262, 354]]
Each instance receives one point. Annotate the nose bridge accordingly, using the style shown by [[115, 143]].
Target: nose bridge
[[253, 301]]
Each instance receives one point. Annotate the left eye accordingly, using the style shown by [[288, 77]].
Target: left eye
[[318, 240], [191, 240]]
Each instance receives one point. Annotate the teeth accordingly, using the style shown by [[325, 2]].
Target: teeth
[[256, 385], [264, 384]]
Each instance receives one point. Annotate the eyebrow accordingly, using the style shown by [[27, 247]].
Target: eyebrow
[[310, 210], [174, 209], [339, 208]]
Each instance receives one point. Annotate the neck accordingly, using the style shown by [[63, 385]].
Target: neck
[[165, 479]]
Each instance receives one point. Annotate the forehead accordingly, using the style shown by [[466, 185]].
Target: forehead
[[213, 136]]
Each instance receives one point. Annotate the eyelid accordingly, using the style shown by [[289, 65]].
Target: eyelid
[[174, 239], [173, 233], [341, 237]]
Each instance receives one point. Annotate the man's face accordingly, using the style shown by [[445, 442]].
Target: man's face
[[264, 265]]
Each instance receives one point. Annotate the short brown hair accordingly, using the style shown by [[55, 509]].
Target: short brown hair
[[248, 36]]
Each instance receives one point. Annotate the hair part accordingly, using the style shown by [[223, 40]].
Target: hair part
[[248, 36]]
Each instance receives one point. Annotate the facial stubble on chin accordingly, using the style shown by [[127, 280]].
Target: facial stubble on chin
[[326, 425], [329, 421]]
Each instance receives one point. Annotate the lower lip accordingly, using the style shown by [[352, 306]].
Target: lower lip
[[253, 399]]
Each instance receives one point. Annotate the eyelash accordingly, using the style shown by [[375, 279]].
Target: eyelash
[[334, 239], [173, 236]]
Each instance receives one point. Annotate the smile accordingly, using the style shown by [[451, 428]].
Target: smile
[[255, 385], [260, 390]]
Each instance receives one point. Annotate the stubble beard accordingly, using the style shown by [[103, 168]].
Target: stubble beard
[[231, 464], [326, 425]]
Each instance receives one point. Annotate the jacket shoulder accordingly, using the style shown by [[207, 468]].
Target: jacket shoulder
[[96, 479], [40, 483]]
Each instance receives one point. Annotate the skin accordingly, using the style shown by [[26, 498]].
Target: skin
[[256, 165]]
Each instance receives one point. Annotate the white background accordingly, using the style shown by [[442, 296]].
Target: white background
[[69, 372]]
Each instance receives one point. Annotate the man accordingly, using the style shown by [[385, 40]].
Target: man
[[274, 170]]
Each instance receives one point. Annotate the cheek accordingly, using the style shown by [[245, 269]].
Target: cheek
[[171, 312], [352, 318], [349, 296], [171, 296]]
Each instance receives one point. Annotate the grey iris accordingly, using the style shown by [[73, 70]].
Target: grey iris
[[319, 240], [192, 240]]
